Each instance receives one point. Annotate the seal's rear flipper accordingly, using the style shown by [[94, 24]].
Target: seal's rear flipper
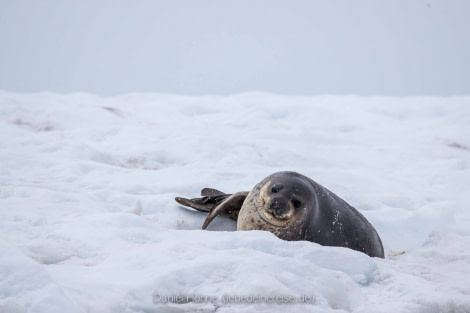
[[207, 192], [229, 207], [215, 203], [205, 204]]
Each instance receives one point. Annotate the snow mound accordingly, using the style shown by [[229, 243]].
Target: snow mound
[[89, 223]]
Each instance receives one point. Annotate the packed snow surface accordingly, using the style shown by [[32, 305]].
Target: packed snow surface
[[88, 220]]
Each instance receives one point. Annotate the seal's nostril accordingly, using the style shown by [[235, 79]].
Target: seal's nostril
[[278, 212]]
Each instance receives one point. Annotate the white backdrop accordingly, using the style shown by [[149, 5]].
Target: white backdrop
[[365, 47]]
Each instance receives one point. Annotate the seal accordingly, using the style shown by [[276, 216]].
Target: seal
[[293, 207]]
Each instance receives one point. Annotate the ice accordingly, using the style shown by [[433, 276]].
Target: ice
[[89, 222]]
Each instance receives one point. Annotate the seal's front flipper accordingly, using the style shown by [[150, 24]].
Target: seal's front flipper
[[229, 207]]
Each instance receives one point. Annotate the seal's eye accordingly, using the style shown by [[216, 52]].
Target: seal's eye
[[297, 204], [276, 188]]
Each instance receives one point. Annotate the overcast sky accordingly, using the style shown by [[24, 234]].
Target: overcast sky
[[365, 47]]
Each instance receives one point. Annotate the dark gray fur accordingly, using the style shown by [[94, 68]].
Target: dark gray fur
[[323, 218]]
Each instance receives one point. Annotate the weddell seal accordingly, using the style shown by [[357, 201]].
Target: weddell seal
[[293, 207]]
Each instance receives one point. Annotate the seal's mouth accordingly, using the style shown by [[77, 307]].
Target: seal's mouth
[[277, 215], [270, 218]]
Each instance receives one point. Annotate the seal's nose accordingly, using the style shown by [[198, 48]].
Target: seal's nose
[[277, 207]]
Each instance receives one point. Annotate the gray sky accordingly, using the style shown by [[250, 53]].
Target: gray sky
[[365, 47]]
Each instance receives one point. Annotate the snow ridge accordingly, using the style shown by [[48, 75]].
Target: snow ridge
[[89, 223]]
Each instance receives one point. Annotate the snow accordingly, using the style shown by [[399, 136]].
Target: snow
[[88, 220]]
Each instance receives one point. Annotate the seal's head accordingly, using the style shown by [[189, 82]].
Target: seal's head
[[281, 203]]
